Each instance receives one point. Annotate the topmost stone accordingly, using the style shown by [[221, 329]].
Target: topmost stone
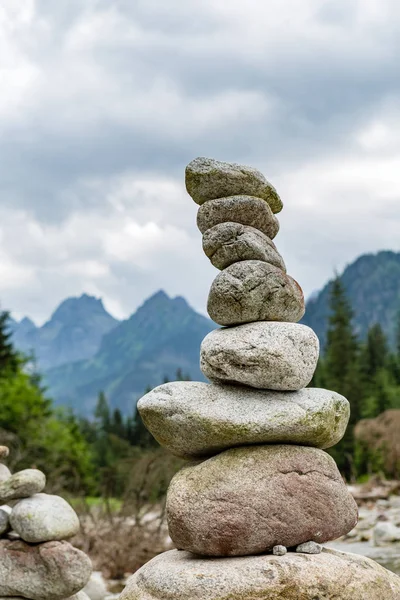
[[208, 179]]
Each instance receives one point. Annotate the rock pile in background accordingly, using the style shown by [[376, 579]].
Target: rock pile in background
[[35, 560], [264, 495]]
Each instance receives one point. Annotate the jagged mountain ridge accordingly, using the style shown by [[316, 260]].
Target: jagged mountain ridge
[[372, 284]]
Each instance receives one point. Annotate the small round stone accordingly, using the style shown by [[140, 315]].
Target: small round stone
[[207, 179], [4, 451], [228, 243], [253, 290], [279, 550], [265, 355], [44, 518], [246, 210], [22, 485], [309, 548]]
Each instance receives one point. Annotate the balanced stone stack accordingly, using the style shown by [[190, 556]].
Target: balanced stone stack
[[35, 560], [260, 494]]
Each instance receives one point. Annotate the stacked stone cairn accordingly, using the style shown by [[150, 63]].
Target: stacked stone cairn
[[248, 515], [35, 560]]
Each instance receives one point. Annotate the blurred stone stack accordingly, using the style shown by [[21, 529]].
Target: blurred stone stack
[[35, 560], [259, 482]]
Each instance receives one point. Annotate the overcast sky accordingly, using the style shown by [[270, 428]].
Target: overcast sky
[[104, 102]]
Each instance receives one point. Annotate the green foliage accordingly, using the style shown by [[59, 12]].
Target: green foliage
[[9, 361]]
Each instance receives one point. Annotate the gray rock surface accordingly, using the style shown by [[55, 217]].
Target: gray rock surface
[[385, 533], [266, 355], [43, 518], [4, 521], [248, 500], [309, 548], [207, 179], [5, 473], [246, 210], [53, 570], [228, 243], [279, 550], [253, 290], [326, 576], [22, 485], [194, 419], [96, 588], [78, 596]]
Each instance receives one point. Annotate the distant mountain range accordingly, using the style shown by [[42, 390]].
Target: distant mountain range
[[83, 350], [372, 284]]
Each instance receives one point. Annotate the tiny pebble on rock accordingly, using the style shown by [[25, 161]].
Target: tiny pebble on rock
[[279, 550], [309, 548]]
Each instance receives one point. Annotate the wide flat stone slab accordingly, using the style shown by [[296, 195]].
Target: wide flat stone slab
[[53, 570], [248, 500], [227, 243], [327, 576], [195, 419], [253, 290], [207, 179], [246, 210], [265, 355]]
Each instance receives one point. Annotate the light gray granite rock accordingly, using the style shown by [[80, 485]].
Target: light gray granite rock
[[96, 588], [22, 485], [5, 473], [248, 500], [80, 596], [228, 243], [279, 550], [326, 576], [53, 570], [43, 518], [207, 179], [194, 419], [246, 210], [253, 290], [265, 355], [309, 548]]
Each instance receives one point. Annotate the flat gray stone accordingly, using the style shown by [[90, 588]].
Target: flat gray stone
[[194, 419], [207, 179], [327, 576], [309, 548], [265, 355], [253, 290], [43, 518], [53, 570], [22, 485], [248, 500], [228, 243], [246, 210]]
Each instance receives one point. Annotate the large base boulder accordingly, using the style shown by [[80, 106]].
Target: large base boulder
[[53, 570], [248, 500], [327, 576]]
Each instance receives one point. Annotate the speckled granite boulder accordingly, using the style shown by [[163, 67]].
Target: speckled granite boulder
[[266, 355], [248, 500], [194, 419], [246, 210], [228, 243], [53, 570], [326, 576], [21, 485], [253, 290], [207, 179], [44, 517]]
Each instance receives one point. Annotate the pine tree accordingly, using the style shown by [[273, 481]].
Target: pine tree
[[341, 371], [374, 353], [9, 360], [102, 412]]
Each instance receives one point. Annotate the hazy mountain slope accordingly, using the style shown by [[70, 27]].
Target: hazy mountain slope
[[163, 335], [372, 284], [73, 332]]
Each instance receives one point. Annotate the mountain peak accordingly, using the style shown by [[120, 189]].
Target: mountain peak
[[79, 308]]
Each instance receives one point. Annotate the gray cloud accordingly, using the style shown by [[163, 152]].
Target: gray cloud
[[105, 103]]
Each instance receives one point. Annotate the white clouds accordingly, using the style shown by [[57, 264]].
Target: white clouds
[[104, 103]]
